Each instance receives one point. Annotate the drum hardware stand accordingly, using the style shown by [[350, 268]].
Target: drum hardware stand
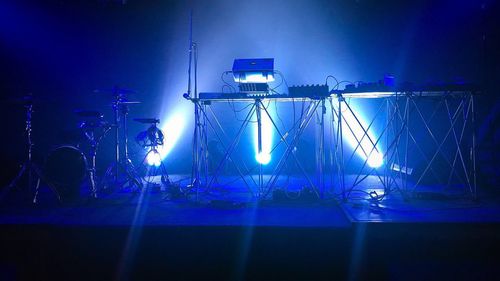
[[28, 166], [124, 164], [91, 171], [94, 144]]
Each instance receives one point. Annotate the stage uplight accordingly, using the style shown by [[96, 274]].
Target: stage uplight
[[252, 75], [263, 157], [152, 139], [154, 158]]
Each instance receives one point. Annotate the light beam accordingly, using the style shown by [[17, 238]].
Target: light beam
[[357, 137]]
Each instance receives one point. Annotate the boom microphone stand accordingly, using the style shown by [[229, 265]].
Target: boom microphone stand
[[200, 145]]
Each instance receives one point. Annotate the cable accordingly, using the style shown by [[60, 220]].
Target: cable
[[278, 115], [331, 76], [236, 111], [282, 76], [281, 82], [342, 82], [226, 84]]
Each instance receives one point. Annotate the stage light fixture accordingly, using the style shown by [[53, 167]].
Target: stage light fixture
[[253, 70], [154, 158], [252, 75], [263, 158]]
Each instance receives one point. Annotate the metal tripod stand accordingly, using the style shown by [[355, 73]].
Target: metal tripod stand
[[32, 170], [93, 141], [121, 165]]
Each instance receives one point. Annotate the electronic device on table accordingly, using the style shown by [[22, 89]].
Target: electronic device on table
[[308, 91]]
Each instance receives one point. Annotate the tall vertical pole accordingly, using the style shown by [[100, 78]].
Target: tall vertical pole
[[387, 168], [199, 138], [125, 134], [259, 141], [322, 150], [190, 53], [29, 111], [341, 138], [473, 152], [117, 139], [407, 121]]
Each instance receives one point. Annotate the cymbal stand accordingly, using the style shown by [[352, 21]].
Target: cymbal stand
[[28, 166], [94, 144], [124, 164]]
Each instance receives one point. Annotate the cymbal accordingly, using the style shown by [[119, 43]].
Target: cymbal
[[115, 90], [125, 103], [89, 113], [147, 120], [94, 124], [129, 102], [24, 100]]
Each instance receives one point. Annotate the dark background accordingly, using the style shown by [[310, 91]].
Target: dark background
[[61, 51]]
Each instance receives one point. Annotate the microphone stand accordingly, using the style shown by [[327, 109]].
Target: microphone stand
[[200, 145]]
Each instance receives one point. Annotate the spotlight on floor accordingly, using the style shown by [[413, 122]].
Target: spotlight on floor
[[153, 158], [263, 155], [263, 158]]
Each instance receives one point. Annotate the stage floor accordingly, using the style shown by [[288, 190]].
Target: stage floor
[[235, 206], [226, 236]]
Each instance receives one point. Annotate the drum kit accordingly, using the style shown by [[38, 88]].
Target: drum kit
[[67, 166]]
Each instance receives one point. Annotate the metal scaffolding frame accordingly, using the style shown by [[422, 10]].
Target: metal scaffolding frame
[[399, 112], [402, 109], [258, 184]]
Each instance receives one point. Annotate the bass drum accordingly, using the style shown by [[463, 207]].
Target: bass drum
[[65, 168]]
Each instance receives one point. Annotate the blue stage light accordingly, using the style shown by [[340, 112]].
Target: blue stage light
[[154, 158], [264, 156]]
